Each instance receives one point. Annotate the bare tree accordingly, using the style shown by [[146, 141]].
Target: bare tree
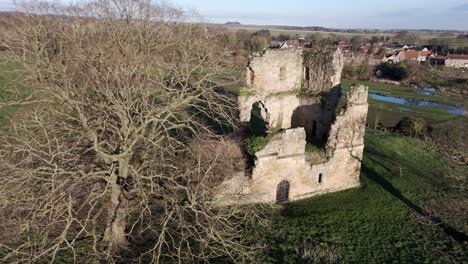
[[105, 160]]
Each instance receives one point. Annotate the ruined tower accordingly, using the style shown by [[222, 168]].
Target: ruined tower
[[299, 91]]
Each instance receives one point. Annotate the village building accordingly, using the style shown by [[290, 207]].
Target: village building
[[437, 60], [298, 92], [457, 61], [413, 55]]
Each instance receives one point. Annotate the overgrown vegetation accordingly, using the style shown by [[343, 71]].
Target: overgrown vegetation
[[118, 154], [413, 127], [317, 57], [255, 144], [359, 72], [396, 72], [315, 154]]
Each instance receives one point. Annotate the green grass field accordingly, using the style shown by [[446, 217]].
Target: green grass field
[[383, 221], [390, 113]]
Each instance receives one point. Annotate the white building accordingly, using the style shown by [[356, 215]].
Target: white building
[[457, 61]]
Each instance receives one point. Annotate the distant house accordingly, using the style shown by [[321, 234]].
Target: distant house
[[424, 54], [404, 55], [413, 55], [291, 44], [457, 61], [389, 59]]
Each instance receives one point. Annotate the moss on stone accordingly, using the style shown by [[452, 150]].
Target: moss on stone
[[321, 70]]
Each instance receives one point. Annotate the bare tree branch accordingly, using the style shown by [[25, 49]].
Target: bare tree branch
[[104, 166]]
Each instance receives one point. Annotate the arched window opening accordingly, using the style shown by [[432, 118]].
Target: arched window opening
[[320, 178], [282, 193], [257, 124]]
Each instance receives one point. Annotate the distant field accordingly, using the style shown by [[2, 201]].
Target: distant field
[[452, 42], [456, 43], [276, 32]]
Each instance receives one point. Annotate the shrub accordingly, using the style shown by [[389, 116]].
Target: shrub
[[228, 153], [408, 126], [255, 144], [348, 72], [363, 71], [360, 72], [396, 72]]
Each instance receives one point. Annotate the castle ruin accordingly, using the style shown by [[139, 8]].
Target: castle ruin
[[298, 92]]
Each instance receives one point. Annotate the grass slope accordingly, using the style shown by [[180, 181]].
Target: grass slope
[[380, 222]]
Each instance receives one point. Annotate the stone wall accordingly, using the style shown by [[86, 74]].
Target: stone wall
[[456, 63], [265, 69], [287, 100], [316, 114], [323, 69], [304, 112], [283, 159], [279, 108]]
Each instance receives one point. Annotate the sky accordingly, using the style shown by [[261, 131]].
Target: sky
[[389, 14]]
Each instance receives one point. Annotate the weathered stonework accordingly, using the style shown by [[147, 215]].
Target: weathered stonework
[[305, 111], [264, 71]]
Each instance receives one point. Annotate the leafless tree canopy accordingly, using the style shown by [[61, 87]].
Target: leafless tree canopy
[[104, 166]]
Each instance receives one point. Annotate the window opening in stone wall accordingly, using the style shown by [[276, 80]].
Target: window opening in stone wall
[[314, 128], [282, 193], [257, 124], [283, 73], [320, 178], [307, 74]]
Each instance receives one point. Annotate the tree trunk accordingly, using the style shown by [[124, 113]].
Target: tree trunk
[[114, 235]]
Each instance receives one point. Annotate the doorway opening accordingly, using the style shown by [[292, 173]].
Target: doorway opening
[[282, 192]]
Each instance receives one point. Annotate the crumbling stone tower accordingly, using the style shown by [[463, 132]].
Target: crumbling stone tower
[[299, 90]]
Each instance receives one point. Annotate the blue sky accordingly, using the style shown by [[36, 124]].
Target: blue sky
[[389, 14]]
